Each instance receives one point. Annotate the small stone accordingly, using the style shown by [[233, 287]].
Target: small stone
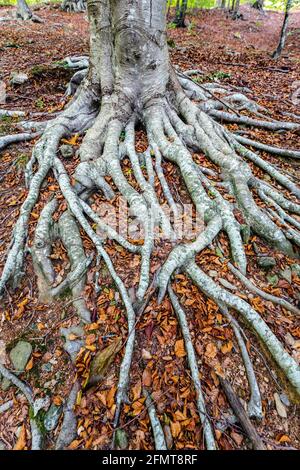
[[67, 151], [280, 408], [286, 274], [52, 417], [18, 78], [20, 355], [121, 439], [73, 347], [227, 284], [266, 262]]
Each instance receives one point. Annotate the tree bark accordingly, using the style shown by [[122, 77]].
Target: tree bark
[[284, 28], [23, 10], [258, 4], [180, 14]]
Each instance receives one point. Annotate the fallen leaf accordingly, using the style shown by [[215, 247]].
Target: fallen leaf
[[147, 377], [179, 348], [21, 442], [103, 360]]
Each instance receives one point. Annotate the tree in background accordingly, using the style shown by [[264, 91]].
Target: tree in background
[[73, 5], [180, 13], [258, 4], [284, 28]]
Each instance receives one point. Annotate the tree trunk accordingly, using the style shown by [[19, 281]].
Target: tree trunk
[[258, 4], [23, 10], [284, 28], [180, 14], [130, 56]]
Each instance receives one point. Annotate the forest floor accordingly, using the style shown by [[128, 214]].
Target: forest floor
[[236, 53]]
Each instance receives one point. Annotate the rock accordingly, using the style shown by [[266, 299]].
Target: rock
[[280, 408], [266, 262], [67, 151], [284, 399], [121, 439], [286, 274], [18, 78], [73, 346], [227, 284], [20, 355], [52, 417]]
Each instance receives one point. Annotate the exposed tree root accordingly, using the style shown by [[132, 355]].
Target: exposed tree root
[[173, 124], [36, 405], [158, 434]]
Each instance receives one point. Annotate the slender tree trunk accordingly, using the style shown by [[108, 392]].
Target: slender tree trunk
[[258, 4], [129, 52], [181, 9], [284, 28], [23, 10]]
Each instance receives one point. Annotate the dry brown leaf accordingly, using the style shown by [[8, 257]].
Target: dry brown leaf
[[175, 428], [179, 348], [211, 351], [21, 442], [147, 377], [110, 397], [29, 365], [103, 360]]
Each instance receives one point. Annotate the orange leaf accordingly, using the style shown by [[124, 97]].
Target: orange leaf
[[179, 348], [110, 399], [175, 428], [21, 442], [227, 347], [147, 378], [29, 364], [284, 438], [211, 351]]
